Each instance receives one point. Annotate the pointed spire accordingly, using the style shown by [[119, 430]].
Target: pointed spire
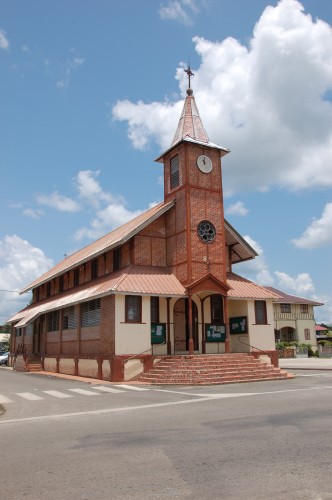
[[190, 123]]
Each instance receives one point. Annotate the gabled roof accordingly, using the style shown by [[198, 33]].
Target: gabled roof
[[241, 288], [292, 299], [111, 240]]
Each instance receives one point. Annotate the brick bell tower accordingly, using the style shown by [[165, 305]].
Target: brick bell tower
[[196, 248]]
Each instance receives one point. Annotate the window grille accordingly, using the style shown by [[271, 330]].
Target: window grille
[[285, 308], [91, 313], [306, 334], [304, 308]]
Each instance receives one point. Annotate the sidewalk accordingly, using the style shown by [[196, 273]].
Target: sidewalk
[[306, 363]]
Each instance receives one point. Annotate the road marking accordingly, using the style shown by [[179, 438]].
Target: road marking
[[202, 399], [133, 387], [4, 400], [106, 389], [58, 394], [84, 392], [29, 396]]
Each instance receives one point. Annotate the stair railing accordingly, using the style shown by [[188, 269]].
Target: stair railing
[[249, 345], [143, 352]]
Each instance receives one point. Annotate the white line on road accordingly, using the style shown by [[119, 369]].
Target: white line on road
[[102, 388], [202, 399], [133, 387], [58, 394], [29, 396], [85, 392], [4, 400]]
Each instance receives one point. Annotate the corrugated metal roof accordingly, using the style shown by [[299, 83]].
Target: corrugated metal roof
[[132, 280], [241, 288], [292, 299], [115, 238]]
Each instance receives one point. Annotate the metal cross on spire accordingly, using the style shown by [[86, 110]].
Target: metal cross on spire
[[189, 73]]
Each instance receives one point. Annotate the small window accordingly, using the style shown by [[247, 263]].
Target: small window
[[175, 175], [154, 309], [217, 316], [133, 309], [48, 289], [306, 334], [285, 308], [260, 312], [116, 259], [94, 269], [304, 308], [76, 276], [61, 284]]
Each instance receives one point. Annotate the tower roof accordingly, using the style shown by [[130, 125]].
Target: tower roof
[[190, 127], [190, 123]]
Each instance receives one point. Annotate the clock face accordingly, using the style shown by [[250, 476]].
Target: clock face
[[204, 164]]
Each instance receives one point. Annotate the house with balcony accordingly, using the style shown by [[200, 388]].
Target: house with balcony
[[294, 319]]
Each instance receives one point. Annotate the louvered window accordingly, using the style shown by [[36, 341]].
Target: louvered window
[[175, 175], [69, 318], [53, 321], [76, 276], [90, 313], [116, 259]]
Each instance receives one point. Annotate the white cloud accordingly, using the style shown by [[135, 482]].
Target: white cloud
[[89, 188], [237, 208], [58, 201], [301, 285], [111, 211], [259, 101], [318, 233], [64, 68], [4, 43], [32, 213], [20, 264], [179, 10]]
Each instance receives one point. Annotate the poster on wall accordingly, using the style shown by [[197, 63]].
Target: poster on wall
[[158, 333], [238, 325], [215, 333]]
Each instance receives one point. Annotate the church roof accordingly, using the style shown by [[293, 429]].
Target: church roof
[[107, 242], [142, 280], [242, 288]]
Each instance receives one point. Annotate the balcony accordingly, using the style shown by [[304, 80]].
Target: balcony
[[293, 316]]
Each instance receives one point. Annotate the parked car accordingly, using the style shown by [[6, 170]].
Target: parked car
[[4, 358]]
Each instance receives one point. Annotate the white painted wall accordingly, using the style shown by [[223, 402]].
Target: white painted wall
[[132, 338]]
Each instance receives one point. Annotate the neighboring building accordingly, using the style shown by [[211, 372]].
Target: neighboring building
[[161, 284], [294, 319], [323, 333]]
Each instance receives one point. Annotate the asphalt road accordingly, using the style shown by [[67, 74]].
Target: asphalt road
[[242, 441]]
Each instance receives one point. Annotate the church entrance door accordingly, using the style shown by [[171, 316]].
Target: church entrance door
[[181, 326]]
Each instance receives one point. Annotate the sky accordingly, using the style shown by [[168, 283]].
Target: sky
[[91, 93]]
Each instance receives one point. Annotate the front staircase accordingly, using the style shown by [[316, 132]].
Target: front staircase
[[34, 364], [211, 369]]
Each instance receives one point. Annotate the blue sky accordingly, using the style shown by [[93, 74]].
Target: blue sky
[[91, 92]]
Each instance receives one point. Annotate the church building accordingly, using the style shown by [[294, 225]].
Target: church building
[[160, 285]]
